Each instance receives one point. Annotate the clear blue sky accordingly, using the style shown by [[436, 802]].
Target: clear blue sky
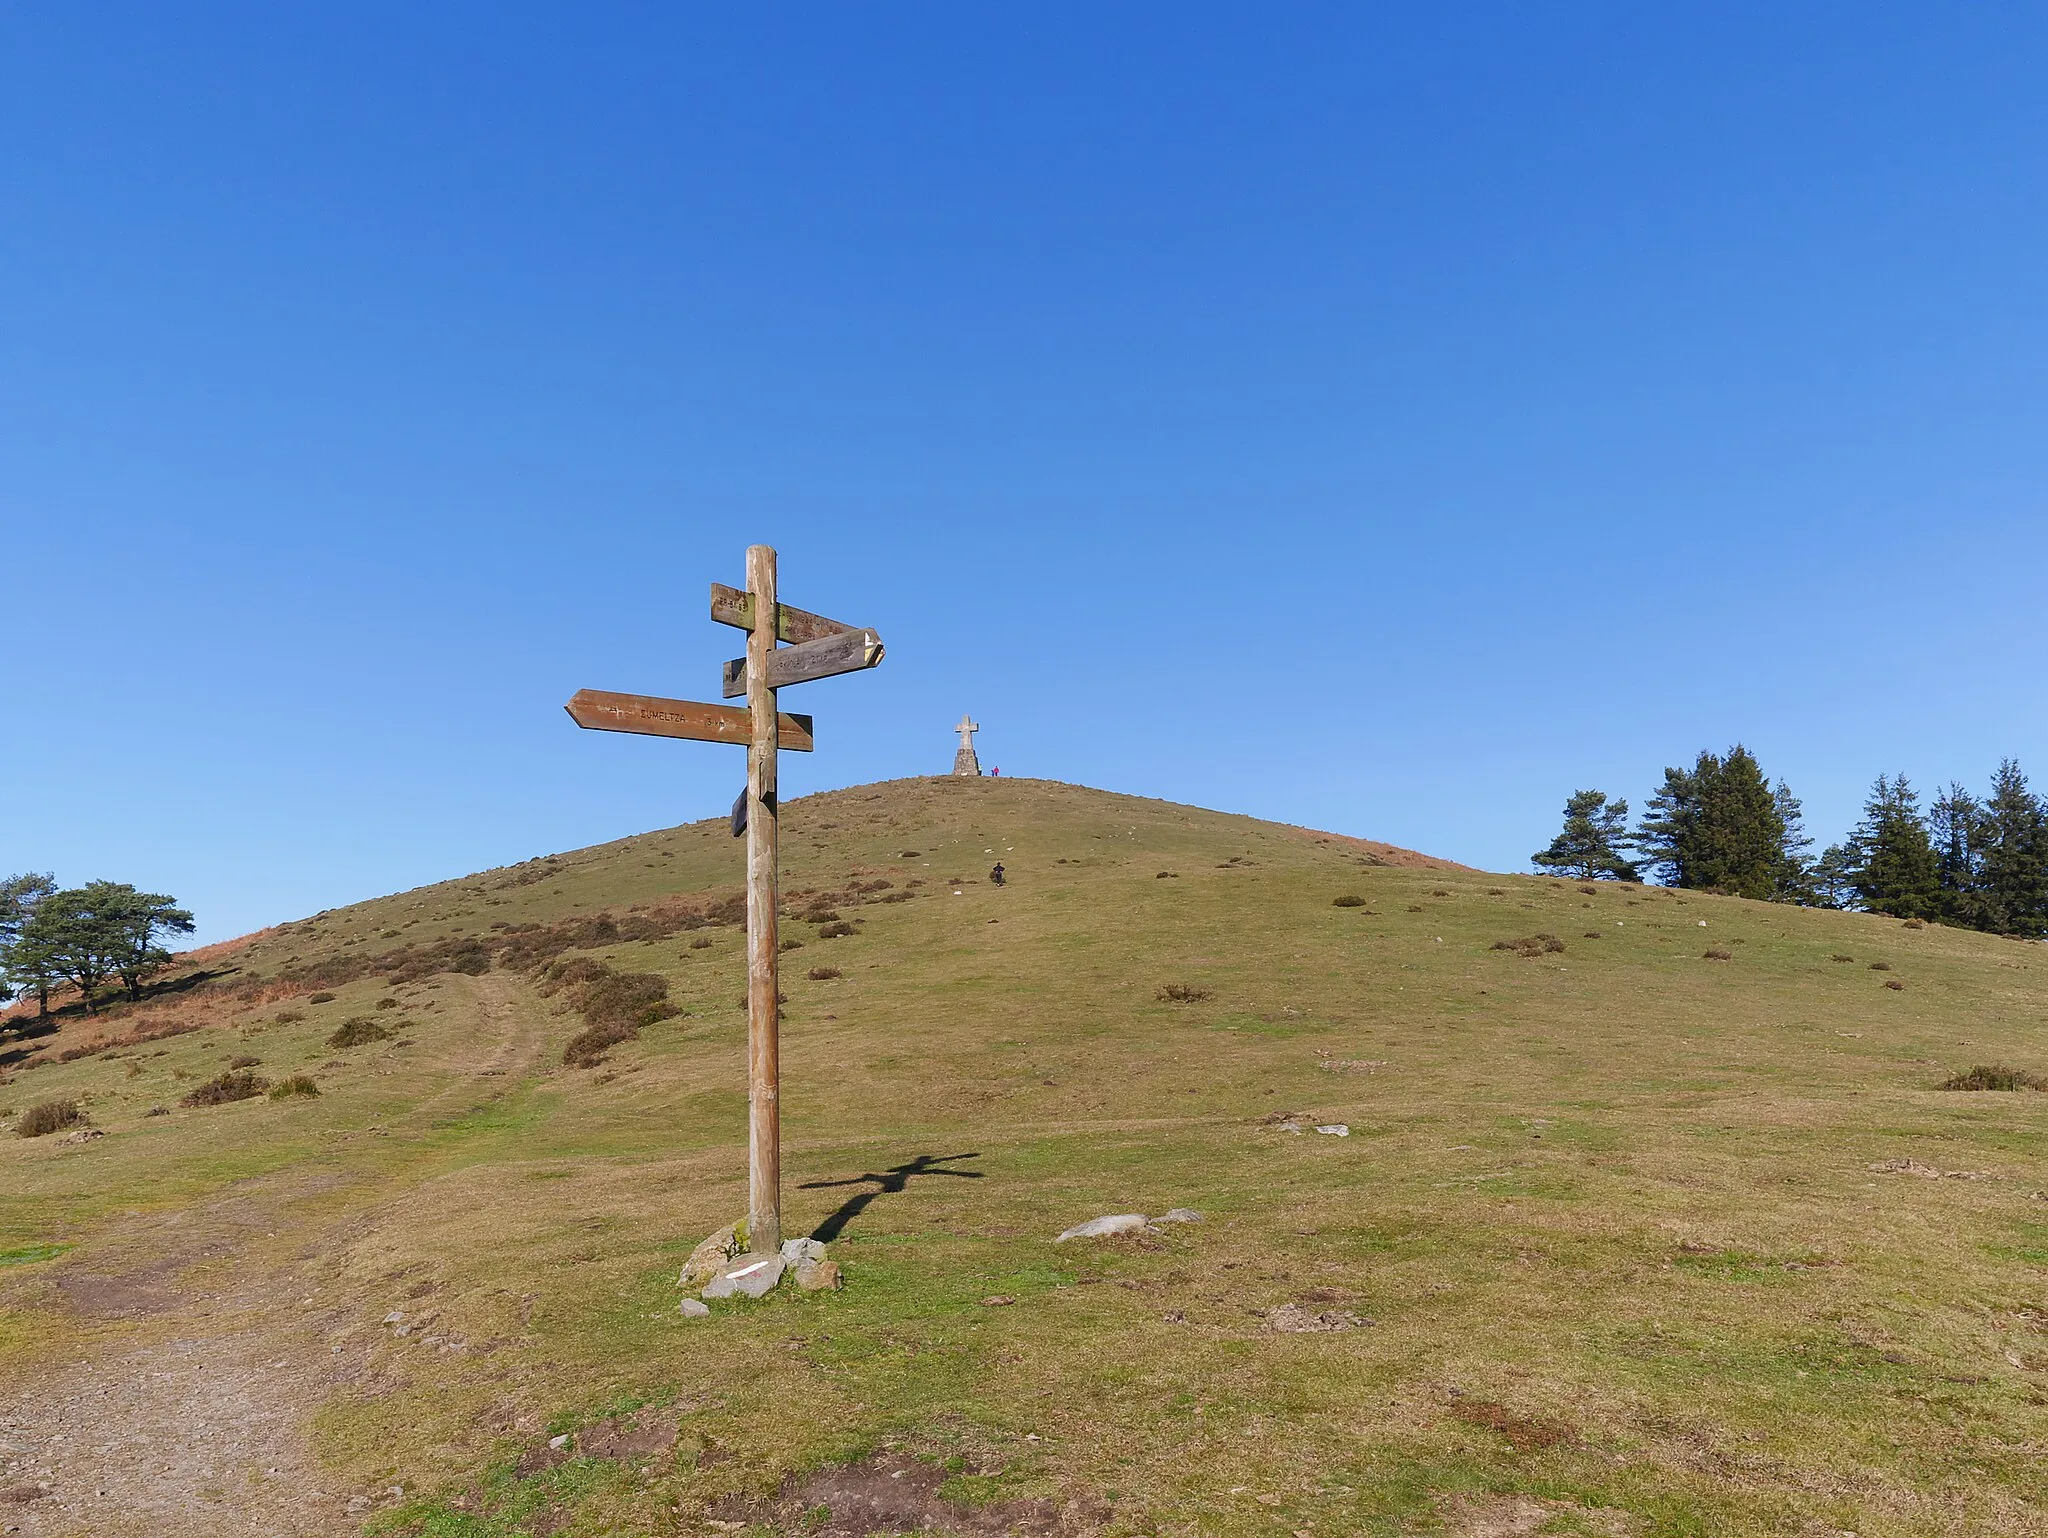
[[1381, 418]]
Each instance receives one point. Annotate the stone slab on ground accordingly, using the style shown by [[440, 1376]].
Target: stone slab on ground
[[1097, 1228]]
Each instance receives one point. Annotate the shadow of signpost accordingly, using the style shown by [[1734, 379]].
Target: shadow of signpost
[[888, 1182]]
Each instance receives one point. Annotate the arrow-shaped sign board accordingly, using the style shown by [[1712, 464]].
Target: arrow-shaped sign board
[[652, 716], [847, 652], [729, 606]]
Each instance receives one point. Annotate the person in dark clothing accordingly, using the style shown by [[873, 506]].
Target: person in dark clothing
[[996, 875]]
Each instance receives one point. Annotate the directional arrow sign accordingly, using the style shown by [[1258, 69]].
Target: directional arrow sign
[[847, 652], [651, 716], [729, 606]]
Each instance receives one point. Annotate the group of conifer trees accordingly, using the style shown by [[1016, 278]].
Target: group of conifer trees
[[102, 932], [1721, 826]]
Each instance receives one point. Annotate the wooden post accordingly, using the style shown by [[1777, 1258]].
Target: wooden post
[[818, 648], [764, 1071]]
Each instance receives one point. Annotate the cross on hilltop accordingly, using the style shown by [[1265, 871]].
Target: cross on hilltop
[[964, 761]]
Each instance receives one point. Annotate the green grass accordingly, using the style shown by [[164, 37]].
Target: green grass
[[1621, 1188]]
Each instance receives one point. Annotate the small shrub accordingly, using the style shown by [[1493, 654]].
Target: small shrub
[[286, 1017], [1496, 891], [822, 913], [1165, 875], [387, 1003], [701, 943], [1441, 892], [158, 1110], [49, 1116], [1994, 1076], [835, 931], [790, 945], [822, 974], [357, 1031], [224, 1089], [1531, 946], [1715, 953], [245, 1061], [1914, 924], [1417, 908], [1182, 993], [637, 998], [1895, 985], [297, 1085], [1589, 890], [321, 998], [1348, 900], [587, 1047], [1593, 934], [1880, 966], [1839, 957]]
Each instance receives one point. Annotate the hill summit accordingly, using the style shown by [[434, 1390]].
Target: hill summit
[[1520, 1205]]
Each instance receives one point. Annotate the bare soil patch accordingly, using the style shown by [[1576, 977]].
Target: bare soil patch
[[887, 1493], [1525, 1433]]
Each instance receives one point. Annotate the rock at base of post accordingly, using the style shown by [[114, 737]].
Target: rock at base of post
[[746, 1276], [818, 1276], [710, 1257]]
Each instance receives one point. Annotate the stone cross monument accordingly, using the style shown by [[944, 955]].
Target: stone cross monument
[[964, 761]]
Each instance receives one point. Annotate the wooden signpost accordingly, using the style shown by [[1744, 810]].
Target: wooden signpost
[[819, 648]]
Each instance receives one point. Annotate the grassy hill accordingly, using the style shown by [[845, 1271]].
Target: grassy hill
[[1667, 1231]]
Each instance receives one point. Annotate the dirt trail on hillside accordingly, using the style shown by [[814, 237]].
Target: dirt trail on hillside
[[200, 1428]]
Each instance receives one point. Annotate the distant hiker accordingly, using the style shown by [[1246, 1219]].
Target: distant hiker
[[996, 875], [996, 773]]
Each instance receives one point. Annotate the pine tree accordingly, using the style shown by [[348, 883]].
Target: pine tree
[[1955, 827], [1590, 846], [1896, 869], [2014, 847], [21, 969], [1796, 882], [1833, 876], [102, 930], [1668, 834], [1720, 826]]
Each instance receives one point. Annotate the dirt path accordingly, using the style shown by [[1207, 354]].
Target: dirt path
[[200, 1427]]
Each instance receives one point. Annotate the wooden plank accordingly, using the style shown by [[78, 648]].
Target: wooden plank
[[826, 657], [651, 716], [729, 606], [764, 999]]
